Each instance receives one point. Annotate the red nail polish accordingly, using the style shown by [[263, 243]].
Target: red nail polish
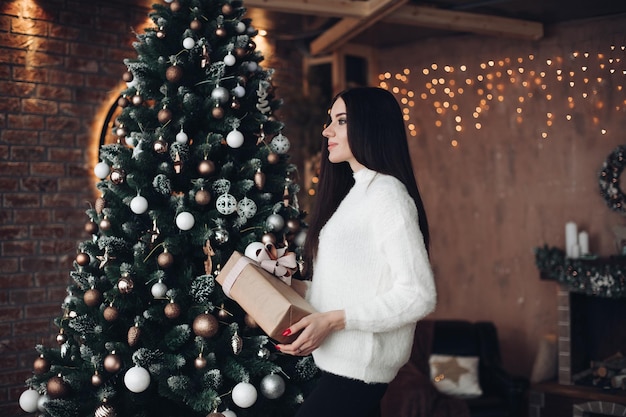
[[287, 332], [277, 347]]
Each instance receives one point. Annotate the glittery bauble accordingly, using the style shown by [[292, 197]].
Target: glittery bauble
[[275, 222], [92, 297], [165, 259], [164, 115], [96, 379], [273, 158], [221, 236], [105, 410], [118, 176], [250, 322], [259, 179], [105, 224], [112, 363], [174, 73], [82, 259], [125, 285], [61, 337], [244, 394], [172, 310], [91, 228], [195, 24], [205, 325], [56, 387], [111, 313], [160, 146], [41, 365], [203, 197], [133, 335], [206, 167], [272, 386], [199, 362]]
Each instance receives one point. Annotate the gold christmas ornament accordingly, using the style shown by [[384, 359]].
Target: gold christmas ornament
[[205, 325], [112, 363], [223, 314], [56, 387], [220, 31], [41, 365], [134, 333], [269, 238], [171, 310], [227, 9], [92, 297], [111, 313], [293, 225], [123, 102], [215, 414]]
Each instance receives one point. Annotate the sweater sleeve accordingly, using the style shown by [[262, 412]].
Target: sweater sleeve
[[400, 244]]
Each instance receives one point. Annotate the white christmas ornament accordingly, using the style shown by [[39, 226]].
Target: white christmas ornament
[[252, 66], [139, 204], [240, 27], [239, 91], [185, 220], [228, 413], [41, 403], [226, 204], [244, 394], [272, 386], [280, 144], [189, 43], [253, 249], [230, 60], [101, 170], [137, 379], [220, 94], [29, 399], [158, 290], [234, 139], [246, 208], [181, 137]]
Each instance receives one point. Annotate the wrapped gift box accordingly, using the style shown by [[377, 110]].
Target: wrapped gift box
[[273, 304]]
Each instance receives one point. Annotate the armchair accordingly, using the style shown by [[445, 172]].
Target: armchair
[[413, 394]]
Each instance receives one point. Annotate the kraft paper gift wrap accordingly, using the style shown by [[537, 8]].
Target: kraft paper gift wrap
[[273, 304]]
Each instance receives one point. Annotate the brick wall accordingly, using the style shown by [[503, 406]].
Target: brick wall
[[60, 61]]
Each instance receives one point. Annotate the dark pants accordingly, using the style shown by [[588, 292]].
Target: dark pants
[[338, 396]]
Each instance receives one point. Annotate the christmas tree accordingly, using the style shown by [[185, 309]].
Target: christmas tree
[[198, 169]]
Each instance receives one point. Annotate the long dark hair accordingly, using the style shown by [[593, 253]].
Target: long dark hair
[[377, 139]]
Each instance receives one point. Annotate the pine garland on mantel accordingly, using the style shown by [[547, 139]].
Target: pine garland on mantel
[[602, 277]]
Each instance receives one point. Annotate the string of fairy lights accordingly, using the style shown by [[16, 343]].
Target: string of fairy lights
[[588, 82]]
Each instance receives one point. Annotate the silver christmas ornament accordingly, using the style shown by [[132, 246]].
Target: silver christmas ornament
[[220, 94], [272, 386], [221, 236], [275, 222]]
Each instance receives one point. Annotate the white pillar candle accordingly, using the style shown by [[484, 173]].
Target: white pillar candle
[[575, 251], [583, 242], [571, 237]]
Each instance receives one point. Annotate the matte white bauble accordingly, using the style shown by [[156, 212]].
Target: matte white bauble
[[234, 139], [101, 170], [228, 413], [253, 249], [29, 399], [244, 394], [181, 137], [137, 379], [239, 91], [189, 43], [240, 27], [185, 220], [139, 204], [230, 60], [252, 66], [159, 290]]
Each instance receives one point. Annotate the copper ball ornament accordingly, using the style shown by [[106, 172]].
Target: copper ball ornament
[[91, 228], [227, 9], [112, 363], [105, 224], [234, 104], [205, 325], [56, 387], [164, 115], [123, 102], [221, 31], [41, 365], [250, 322], [61, 337], [268, 238], [273, 158], [195, 24], [223, 314], [171, 310], [199, 362], [203, 197], [83, 259], [240, 52], [293, 225], [175, 6], [165, 259], [127, 76], [217, 112], [96, 379], [125, 285], [160, 146], [137, 100], [111, 313], [92, 297], [206, 167], [118, 176], [174, 73]]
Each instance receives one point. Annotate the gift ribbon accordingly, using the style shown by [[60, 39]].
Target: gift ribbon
[[232, 276]]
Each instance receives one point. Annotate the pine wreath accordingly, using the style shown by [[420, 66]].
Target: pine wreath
[[612, 169]]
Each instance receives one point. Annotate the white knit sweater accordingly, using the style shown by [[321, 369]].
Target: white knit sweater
[[372, 263]]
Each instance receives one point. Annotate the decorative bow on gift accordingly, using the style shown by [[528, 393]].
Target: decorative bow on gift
[[275, 260]]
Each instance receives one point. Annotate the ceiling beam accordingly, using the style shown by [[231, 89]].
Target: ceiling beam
[[336, 8], [457, 21], [349, 27]]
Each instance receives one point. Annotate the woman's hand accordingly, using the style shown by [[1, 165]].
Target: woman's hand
[[314, 328]]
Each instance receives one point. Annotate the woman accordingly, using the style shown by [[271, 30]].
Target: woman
[[367, 242]]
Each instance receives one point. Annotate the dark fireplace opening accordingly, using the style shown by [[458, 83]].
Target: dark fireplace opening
[[598, 332]]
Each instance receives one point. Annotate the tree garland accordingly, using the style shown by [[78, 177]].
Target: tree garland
[[612, 169], [602, 277]]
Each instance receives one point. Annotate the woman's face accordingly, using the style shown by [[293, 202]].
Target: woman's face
[[337, 134]]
